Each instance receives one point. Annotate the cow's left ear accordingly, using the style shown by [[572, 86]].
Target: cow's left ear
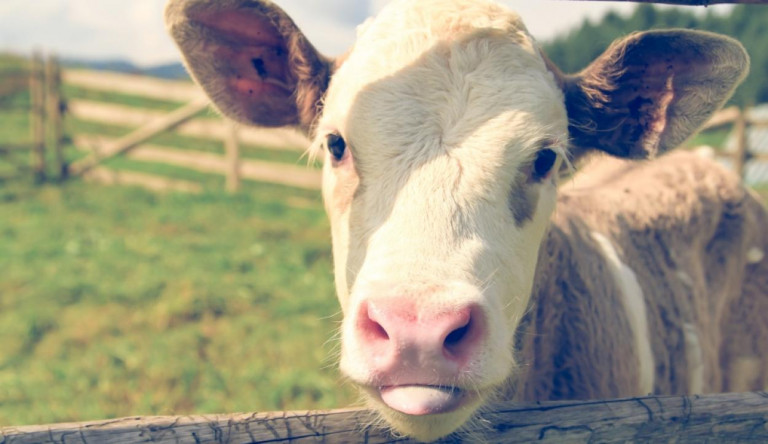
[[251, 59], [650, 91]]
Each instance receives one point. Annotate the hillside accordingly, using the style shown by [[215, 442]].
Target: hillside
[[172, 71]]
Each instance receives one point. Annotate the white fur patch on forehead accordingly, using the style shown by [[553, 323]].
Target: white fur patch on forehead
[[439, 57], [404, 29], [442, 17]]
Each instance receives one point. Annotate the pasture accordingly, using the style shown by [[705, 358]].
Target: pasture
[[117, 301]]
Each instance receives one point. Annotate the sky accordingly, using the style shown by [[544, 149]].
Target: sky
[[133, 29]]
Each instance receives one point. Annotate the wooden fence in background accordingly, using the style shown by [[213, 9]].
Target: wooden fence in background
[[740, 120], [190, 119], [47, 107], [186, 121]]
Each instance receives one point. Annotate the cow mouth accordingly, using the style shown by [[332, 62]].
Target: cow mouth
[[420, 400]]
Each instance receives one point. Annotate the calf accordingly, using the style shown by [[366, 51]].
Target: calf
[[462, 275]]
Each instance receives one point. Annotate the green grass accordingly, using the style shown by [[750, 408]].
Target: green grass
[[714, 138], [14, 132], [115, 301], [12, 62], [762, 190]]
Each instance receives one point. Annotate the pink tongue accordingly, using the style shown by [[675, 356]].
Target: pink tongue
[[420, 399]]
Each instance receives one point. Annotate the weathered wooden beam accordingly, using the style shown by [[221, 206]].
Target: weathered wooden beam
[[131, 84], [682, 419], [688, 2], [141, 135], [261, 171], [111, 114]]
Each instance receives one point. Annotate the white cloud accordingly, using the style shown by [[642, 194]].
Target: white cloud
[[87, 28], [102, 15], [133, 29], [329, 24], [10, 8]]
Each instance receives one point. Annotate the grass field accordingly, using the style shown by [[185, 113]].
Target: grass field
[[117, 301]]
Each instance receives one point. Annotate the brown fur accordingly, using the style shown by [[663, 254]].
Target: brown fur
[[636, 100], [676, 216]]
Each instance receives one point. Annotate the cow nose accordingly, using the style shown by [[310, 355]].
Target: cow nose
[[399, 337]]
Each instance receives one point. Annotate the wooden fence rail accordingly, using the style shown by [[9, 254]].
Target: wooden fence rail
[[46, 83], [185, 121], [160, 89], [218, 129], [291, 175], [47, 107], [717, 418], [141, 135], [204, 128], [741, 120]]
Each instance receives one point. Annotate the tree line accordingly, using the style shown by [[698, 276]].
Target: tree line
[[746, 23]]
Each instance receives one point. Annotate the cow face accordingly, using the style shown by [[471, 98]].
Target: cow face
[[442, 132], [439, 181]]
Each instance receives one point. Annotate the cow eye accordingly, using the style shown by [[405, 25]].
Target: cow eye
[[336, 146], [542, 166]]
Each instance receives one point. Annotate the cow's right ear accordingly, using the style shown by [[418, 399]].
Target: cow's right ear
[[251, 59], [650, 91]]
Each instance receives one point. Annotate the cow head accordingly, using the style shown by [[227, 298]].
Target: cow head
[[443, 131]]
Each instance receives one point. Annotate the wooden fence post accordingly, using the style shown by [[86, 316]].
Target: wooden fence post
[[740, 156], [54, 110], [37, 117], [233, 159]]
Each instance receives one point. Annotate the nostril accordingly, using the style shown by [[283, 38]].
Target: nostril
[[377, 331], [370, 327], [456, 336], [462, 340]]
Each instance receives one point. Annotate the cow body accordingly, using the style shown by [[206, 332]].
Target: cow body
[[444, 133], [651, 279]]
